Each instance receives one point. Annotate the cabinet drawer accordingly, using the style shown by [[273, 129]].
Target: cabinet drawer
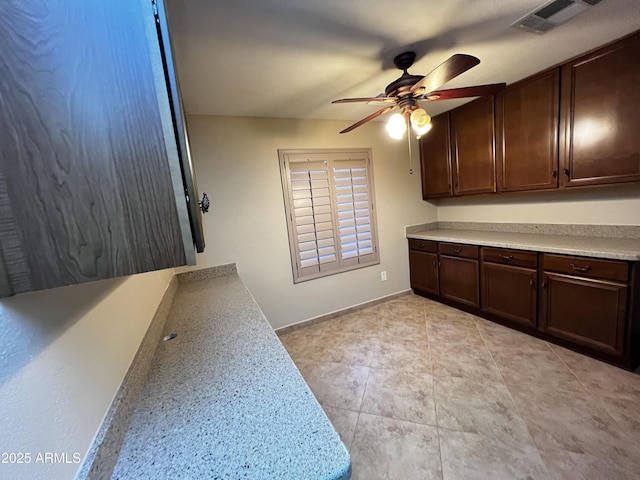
[[516, 258], [423, 245], [587, 267], [458, 250]]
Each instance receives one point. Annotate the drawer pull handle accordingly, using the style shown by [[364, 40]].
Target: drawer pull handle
[[456, 249], [584, 269], [506, 258], [421, 245]]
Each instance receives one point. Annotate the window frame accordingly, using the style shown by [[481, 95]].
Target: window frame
[[352, 223]]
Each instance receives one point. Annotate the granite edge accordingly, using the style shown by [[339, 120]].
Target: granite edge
[[102, 455], [338, 313], [207, 273], [581, 230], [409, 229]]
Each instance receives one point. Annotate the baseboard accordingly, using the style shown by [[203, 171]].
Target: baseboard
[[103, 452], [337, 313]]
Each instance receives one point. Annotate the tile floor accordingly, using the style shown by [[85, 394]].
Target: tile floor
[[419, 390]]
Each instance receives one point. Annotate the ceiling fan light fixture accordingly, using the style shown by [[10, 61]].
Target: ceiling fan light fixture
[[420, 121], [396, 126]]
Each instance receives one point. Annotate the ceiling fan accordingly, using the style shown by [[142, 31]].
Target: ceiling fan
[[407, 91]]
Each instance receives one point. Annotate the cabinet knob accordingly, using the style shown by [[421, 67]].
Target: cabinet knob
[[204, 203], [554, 174], [584, 269], [566, 172], [434, 264], [532, 284], [544, 284]]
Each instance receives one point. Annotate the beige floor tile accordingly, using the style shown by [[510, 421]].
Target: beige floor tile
[[460, 360], [366, 321], [453, 330], [565, 465], [306, 343], [401, 395], [344, 421], [498, 337], [577, 423], [402, 354], [536, 368], [389, 449], [600, 378], [479, 407], [403, 329], [477, 457], [338, 385], [349, 348]]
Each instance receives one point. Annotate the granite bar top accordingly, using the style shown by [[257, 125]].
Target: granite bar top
[[585, 246], [224, 400]]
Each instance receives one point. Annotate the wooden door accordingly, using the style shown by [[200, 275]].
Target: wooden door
[[527, 134], [584, 311], [473, 147], [86, 189], [435, 159], [459, 280], [509, 292], [600, 114], [424, 271]]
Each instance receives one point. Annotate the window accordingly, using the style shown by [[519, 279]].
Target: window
[[329, 202]]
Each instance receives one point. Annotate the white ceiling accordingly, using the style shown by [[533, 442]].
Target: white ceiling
[[290, 58]]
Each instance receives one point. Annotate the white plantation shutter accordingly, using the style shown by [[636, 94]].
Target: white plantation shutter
[[330, 210]]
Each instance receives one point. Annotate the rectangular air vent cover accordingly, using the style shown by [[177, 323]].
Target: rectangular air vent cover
[[552, 14]]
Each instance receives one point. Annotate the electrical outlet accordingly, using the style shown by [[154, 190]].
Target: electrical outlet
[[383, 276]]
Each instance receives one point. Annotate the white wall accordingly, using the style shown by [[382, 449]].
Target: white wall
[[64, 353], [616, 205], [236, 163]]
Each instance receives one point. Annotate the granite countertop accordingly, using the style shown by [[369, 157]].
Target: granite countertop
[[585, 246], [224, 400]]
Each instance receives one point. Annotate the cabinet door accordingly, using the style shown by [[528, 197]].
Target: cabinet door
[[459, 280], [584, 311], [509, 292], [87, 191], [600, 116], [424, 271], [473, 150], [435, 159], [527, 134]]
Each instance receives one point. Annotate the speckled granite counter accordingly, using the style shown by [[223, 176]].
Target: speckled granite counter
[[223, 400], [586, 246]]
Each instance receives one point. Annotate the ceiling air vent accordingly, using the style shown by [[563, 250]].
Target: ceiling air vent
[[552, 14]]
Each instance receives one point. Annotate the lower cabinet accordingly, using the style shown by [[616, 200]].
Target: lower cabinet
[[459, 280], [588, 311], [592, 305], [510, 292]]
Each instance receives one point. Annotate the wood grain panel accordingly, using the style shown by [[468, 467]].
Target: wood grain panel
[[81, 143], [473, 147], [527, 134], [600, 114], [435, 159], [510, 293], [459, 280]]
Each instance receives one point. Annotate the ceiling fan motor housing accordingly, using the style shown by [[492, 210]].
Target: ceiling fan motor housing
[[402, 85]]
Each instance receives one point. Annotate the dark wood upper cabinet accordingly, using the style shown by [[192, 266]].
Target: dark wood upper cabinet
[[600, 114], [435, 159], [527, 134], [473, 149], [91, 183]]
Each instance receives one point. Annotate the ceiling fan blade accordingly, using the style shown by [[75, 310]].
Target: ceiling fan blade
[[447, 70], [370, 99], [476, 91], [370, 117]]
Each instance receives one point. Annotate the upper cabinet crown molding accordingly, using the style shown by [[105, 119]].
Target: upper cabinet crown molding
[[91, 181]]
